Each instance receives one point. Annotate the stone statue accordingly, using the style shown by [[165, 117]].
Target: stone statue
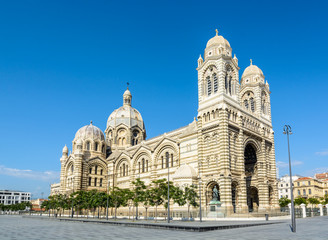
[[215, 194]]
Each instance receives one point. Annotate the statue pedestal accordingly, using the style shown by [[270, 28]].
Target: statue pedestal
[[215, 210]]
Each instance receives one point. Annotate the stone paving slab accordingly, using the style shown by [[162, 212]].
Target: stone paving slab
[[177, 225], [18, 228]]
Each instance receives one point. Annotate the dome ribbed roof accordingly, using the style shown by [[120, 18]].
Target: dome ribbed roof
[[252, 70], [217, 40], [185, 171], [126, 115], [89, 132]]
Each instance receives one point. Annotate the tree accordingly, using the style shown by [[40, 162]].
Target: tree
[[299, 200], [313, 201], [147, 199], [157, 194], [191, 197], [325, 200], [138, 193], [284, 201], [119, 197]]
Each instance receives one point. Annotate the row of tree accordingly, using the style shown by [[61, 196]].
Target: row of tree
[[16, 207], [284, 201], [154, 195]]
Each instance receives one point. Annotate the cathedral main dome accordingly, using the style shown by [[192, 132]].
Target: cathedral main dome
[[217, 40], [89, 132], [126, 115]]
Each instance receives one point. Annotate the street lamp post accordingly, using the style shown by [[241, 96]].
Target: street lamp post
[[72, 214], [200, 195], [288, 131], [108, 183], [168, 186]]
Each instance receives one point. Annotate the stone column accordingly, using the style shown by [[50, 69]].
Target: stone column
[[321, 209], [225, 173], [263, 186], [200, 155], [303, 210]]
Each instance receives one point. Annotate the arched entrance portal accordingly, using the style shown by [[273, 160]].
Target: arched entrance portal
[[252, 199], [234, 195], [209, 191], [250, 159]]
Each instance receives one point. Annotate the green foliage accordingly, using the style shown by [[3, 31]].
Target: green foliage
[[284, 201], [299, 200], [16, 207], [313, 201], [324, 200]]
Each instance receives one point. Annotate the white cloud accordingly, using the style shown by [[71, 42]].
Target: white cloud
[[47, 176], [323, 153], [312, 172], [281, 164]]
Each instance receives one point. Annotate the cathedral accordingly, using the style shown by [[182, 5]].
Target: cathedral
[[229, 147]]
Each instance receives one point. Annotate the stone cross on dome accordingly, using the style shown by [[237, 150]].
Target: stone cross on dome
[[127, 85], [251, 61], [217, 32]]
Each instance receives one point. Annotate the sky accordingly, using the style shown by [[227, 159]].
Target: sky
[[65, 63]]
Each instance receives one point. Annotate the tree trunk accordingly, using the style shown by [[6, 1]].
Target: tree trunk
[[156, 213], [146, 213], [188, 211], [115, 212]]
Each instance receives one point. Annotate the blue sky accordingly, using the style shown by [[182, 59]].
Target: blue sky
[[64, 63]]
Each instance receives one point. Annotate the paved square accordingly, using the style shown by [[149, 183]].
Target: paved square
[[17, 227]]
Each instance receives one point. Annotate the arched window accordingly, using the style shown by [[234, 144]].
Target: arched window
[[167, 158], [103, 148], [88, 145], [96, 169], [246, 103], [215, 83], [123, 169], [146, 165], [226, 82], [171, 160], [101, 172], [143, 165], [250, 158], [72, 168], [100, 183], [139, 166], [230, 80], [95, 182], [162, 162], [120, 171], [209, 86], [127, 170], [90, 170], [96, 146], [89, 181], [252, 104]]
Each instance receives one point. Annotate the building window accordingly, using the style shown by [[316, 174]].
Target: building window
[[209, 86], [171, 160], [89, 181], [286, 184], [88, 145], [309, 191], [123, 169], [143, 165], [146, 165], [167, 158], [101, 172], [90, 170], [309, 183], [298, 184], [100, 183], [304, 192], [127, 170], [96, 146], [215, 80], [246, 103], [162, 162], [120, 171], [95, 182], [252, 104], [281, 185], [139, 166]]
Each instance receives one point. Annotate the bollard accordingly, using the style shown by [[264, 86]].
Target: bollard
[[303, 210], [266, 217], [321, 209]]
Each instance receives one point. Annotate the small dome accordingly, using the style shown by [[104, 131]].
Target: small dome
[[127, 93], [90, 132], [252, 70], [185, 171], [217, 40], [65, 149]]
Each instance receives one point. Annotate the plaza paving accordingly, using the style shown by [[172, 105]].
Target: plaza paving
[[17, 227]]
